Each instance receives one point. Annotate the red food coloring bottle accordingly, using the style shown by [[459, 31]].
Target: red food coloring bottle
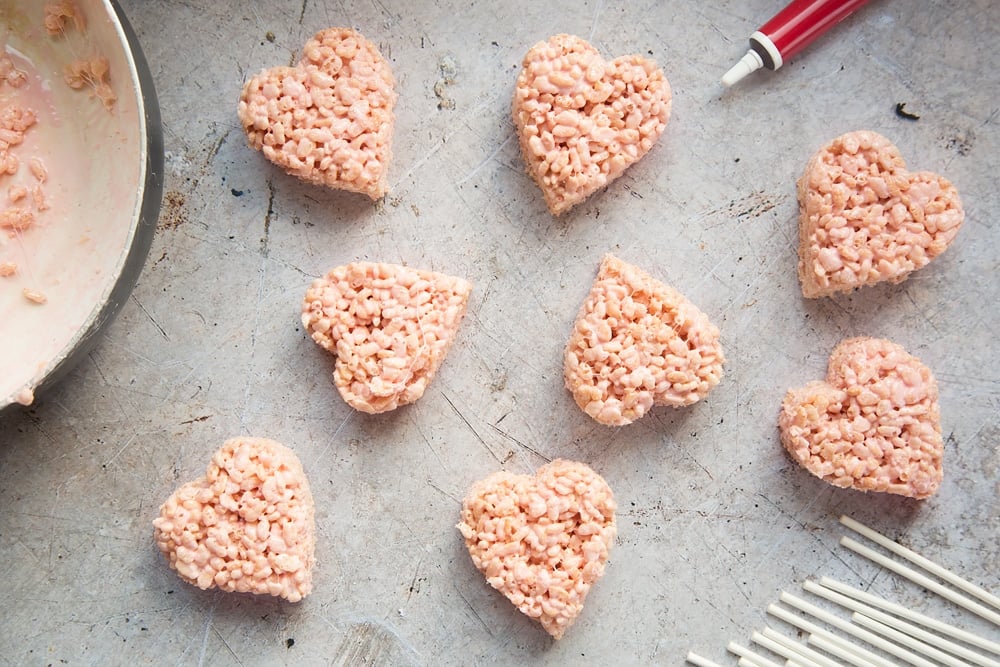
[[788, 32]]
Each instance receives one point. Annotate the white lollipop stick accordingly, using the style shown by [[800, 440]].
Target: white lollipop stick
[[917, 578], [907, 641], [854, 630], [898, 624], [696, 659], [842, 652], [751, 657], [802, 653], [802, 624], [927, 564], [916, 617], [780, 649]]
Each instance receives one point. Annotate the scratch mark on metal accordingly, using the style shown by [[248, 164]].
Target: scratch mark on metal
[[443, 492], [204, 637], [226, 644], [150, 317], [593, 24], [194, 420], [487, 293], [213, 150], [634, 193], [517, 442], [427, 442], [333, 438], [922, 311], [487, 160], [471, 427], [474, 112], [262, 279], [475, 613], [413, 580], [265, 242], [28, 551], [128, 442]]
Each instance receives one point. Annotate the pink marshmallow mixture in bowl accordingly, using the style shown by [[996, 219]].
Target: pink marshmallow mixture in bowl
[[81, 166]]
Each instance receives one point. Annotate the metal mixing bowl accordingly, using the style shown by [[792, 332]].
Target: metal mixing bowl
[[104, 186]]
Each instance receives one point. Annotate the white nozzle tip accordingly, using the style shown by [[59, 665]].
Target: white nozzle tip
[[748, 64]]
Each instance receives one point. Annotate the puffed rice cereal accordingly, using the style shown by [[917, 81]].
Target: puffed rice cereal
[[638, 343], [389, 326], [95, 74], [247, 526], [58, 16], [873, 425], [10, 73], [15, 122], [329, 119], [864, 219], [541, 540], [582, 120]]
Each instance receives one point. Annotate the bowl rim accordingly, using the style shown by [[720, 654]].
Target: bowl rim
[[145, 216]]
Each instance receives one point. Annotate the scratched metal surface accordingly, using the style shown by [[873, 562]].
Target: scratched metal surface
[[714, 519]]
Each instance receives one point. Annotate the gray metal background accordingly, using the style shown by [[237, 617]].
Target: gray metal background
[[714, 518]]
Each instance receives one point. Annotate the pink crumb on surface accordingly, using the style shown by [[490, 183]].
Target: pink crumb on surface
[[16, 120], [637, 343], [16, 193], [541, 540], [94, 74], [328, 120], [16, 219], [38, 170], [59, 15], [873, 425], [864, 219], [10, 73], [389, 326], [39, 198], [34, 296], [25, 397], [582, 120], [8, 269], [247, 526]]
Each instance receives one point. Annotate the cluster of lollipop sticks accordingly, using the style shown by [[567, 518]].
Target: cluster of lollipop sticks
[[910, 636]]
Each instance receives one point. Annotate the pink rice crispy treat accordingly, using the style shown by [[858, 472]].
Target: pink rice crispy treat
[[389, 326], [329, 119], [247, 526], [582, 120], [864, 219], [873, 425], [638, 343], [542, 541]]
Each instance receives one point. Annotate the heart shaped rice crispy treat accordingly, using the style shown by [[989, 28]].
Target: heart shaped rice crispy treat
[[247, 526], [582, 120], [864, 219], [541, 540], [329, 119], [390, 327], [638, 343], [873, 425]]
